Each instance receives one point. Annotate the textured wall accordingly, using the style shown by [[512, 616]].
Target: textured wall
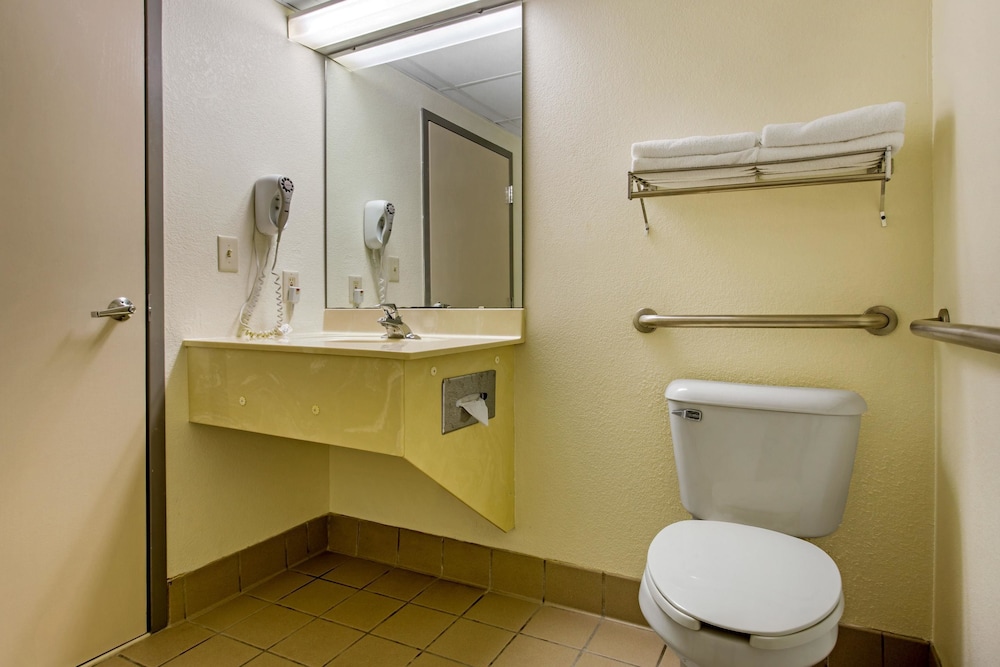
[[594, 465], [240, 101], [966, 274]]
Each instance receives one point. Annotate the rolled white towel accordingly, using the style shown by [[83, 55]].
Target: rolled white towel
[[876, 142], [713, 145], [866, 121], [745, 157]]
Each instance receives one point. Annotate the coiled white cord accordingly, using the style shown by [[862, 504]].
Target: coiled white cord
[[378, 270], [249, 306]]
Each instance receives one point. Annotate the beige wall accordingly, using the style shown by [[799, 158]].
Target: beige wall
[[966, 275], [240, 101], [594, 465]]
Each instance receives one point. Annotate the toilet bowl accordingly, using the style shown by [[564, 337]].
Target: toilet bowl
[[759, 468], [729, 595]]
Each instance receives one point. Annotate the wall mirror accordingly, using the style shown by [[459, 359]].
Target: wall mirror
[[439, 136]]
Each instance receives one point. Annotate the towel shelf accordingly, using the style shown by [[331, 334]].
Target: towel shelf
[[946, 331], [866, 166], [877, 320]]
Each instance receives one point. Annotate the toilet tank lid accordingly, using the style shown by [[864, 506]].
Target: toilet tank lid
[[806, 400]]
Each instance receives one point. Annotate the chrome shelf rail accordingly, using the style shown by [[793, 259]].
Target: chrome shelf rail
[[970, 335], [872, 166], [877, 320]]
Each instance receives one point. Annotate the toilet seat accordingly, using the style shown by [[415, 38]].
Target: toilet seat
[[741, 578]]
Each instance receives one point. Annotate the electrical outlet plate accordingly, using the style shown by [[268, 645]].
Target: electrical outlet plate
[[229, 254], [392, 269], [288, 279], [353, 283]]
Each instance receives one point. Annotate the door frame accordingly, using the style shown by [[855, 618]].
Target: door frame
[[426, 117], [157, 605]]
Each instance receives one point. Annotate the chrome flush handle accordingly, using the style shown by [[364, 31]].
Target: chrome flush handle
[[692, 415], [120, 309]]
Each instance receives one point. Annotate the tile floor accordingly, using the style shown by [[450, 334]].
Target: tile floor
[[338, 611]]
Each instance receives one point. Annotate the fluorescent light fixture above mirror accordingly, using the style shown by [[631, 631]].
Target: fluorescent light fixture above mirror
[[449, 34], [340, 25]]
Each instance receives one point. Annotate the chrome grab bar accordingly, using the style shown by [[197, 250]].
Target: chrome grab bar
[[946, 331], [877, 320]]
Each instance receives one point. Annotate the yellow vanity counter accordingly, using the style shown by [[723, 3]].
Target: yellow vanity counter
[[347, 387]]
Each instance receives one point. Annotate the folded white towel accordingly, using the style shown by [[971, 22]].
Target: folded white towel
[[721, 143], [704, 183], [694, 161], [872, 143], [863, 122]]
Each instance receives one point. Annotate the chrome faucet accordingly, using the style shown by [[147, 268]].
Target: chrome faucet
[[393, 323]]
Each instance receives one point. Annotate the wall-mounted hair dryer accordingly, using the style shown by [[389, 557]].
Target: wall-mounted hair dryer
[[272, 201], [378, 222]]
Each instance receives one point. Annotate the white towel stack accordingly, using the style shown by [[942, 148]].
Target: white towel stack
[[724, 150], [869, 128], [734, 158]]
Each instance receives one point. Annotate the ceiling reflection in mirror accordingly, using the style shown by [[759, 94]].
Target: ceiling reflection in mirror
[[399, 133]]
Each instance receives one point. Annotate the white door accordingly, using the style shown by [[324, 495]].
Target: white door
[[469, 218], [72, 387]]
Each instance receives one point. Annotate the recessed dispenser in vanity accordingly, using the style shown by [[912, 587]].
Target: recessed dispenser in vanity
[[347, 386]]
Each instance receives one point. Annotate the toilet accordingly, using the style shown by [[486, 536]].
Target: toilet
[[759, 468]]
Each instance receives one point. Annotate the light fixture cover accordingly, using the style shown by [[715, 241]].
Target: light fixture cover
[[450, 34], [344, 24]]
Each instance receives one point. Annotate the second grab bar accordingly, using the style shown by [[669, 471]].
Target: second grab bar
[[877, 320]]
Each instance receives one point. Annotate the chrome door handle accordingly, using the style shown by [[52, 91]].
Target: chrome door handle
[[120, 309]]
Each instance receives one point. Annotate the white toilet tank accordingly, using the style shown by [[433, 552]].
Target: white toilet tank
[[775, 457]]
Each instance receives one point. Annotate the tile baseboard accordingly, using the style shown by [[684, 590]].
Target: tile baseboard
[[541, 580]]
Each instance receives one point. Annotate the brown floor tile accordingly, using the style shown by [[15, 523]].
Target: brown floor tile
[[562, 626], [364, 610], [356, 572], [626, 643], [317, 643], [375, 652], [525, 651], [166, 644], [218, 651], [118, 661], [431, 660], [591, 660], [449, 597], [269, 660], [400, 584], [471, 643], [414, 626], [320, 564], [502, 611], [317, 597], [279, 586], [268, 626], [669, 659], [221, 617]]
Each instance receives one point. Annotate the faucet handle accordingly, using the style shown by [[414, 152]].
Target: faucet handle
[[389, 309]]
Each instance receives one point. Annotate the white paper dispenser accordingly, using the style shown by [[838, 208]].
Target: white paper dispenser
[[467, 400]]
